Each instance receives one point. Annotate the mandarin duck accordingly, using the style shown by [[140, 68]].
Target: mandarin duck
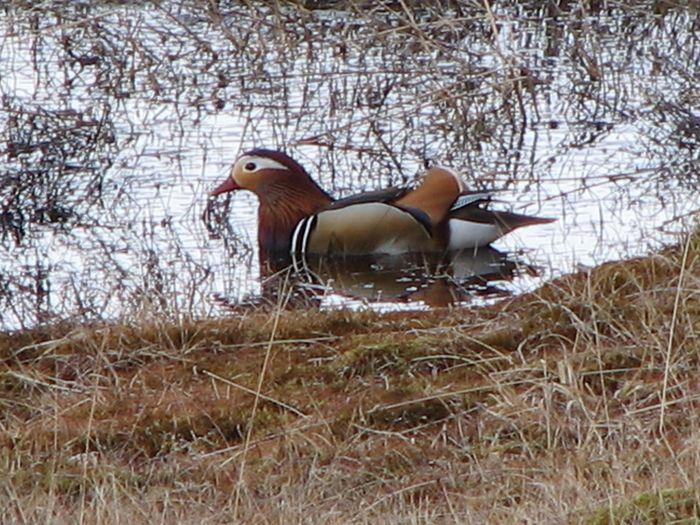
[[296, 217]]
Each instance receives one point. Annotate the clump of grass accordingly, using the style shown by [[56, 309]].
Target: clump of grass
[[387, 356], [412, 415], [664, 506], [161, 434]]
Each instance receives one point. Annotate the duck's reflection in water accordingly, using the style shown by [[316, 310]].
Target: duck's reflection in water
[[430, 280]]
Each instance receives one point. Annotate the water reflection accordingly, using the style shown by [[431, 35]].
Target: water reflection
[[430, 279]]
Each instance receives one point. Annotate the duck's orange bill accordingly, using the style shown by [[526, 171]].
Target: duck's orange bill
[[228, 185]]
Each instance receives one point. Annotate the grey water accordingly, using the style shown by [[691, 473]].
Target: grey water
[[116, 120]]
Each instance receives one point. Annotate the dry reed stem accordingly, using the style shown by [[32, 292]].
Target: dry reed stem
[[255, 393], [672, 330], [261, 377]]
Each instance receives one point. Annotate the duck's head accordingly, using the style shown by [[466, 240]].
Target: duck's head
[[258, 170], [286, 192]]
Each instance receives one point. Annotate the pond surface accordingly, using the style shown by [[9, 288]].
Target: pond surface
[[116, 120]]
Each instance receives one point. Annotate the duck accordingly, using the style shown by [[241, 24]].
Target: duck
[[296, 217]]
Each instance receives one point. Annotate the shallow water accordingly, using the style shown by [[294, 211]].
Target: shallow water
[[116, 121]]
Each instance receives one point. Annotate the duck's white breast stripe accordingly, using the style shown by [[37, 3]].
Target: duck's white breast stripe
[[295, 236], [307, 232], [301, 234]]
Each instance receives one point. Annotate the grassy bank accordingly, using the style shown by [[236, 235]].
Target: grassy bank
[[577, 403]]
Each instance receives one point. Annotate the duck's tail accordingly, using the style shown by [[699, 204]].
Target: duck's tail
[[505, 220]]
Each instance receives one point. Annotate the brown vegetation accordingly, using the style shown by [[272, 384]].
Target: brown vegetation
[[577, 403]]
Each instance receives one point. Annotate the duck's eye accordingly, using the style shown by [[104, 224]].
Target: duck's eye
[[250, 166]]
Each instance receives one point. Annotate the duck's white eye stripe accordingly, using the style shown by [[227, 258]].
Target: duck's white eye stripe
[[251, 163]]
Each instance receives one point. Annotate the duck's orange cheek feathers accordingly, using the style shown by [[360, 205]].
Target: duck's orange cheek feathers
[[228, 185]]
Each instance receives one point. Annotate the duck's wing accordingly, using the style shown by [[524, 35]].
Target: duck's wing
[[468, 198], [363, 228]]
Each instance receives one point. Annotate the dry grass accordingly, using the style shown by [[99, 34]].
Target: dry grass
[[574, 404]]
